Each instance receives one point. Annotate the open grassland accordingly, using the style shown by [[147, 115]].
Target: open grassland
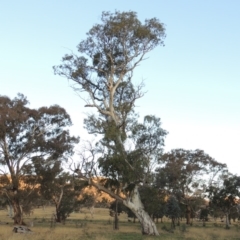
[[100, 227]]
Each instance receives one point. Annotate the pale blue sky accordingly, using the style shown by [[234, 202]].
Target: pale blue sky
[[192, 83]]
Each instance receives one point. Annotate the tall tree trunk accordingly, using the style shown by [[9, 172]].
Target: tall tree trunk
[[18, 217], [115, 224], [227, 221], [115, 227], [178, 221], [133, 202], [173, 222], [188, 214], [57, 201], [91, 210], [58, 218]]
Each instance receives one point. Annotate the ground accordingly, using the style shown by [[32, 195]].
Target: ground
[[100, 227]]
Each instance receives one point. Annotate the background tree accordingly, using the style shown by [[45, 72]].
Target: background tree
[[104, 71], [88, 200], [225, 196], [185, 174], [25, 134], [58, 187]]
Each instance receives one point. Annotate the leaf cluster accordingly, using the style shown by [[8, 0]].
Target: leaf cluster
[[148, 139], [111, 46]]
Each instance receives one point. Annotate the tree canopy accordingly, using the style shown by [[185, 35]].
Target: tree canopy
[[224, 196], [27, 135], [186, 174]]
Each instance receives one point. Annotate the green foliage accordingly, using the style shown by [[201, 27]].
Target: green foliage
[[115, 43], [148, 139], [153, 202], [149, 136], [87, 200], [172, 208], [184, 173], [181, 171], [69, 204]]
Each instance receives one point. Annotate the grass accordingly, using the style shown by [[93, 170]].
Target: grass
[[82, 226]]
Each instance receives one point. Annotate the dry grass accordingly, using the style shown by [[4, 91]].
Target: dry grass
[[82, 226]]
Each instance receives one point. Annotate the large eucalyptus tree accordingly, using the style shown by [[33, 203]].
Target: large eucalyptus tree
[[102, 73]]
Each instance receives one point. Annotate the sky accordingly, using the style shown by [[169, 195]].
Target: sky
[[192, 83]]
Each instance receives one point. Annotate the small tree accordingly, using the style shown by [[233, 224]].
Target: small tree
[[26, 134], [173, 210], [204, 215], [104, 71], [88, 200], [58, 187]]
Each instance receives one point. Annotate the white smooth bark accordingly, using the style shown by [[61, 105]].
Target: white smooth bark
[[134, 203]]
